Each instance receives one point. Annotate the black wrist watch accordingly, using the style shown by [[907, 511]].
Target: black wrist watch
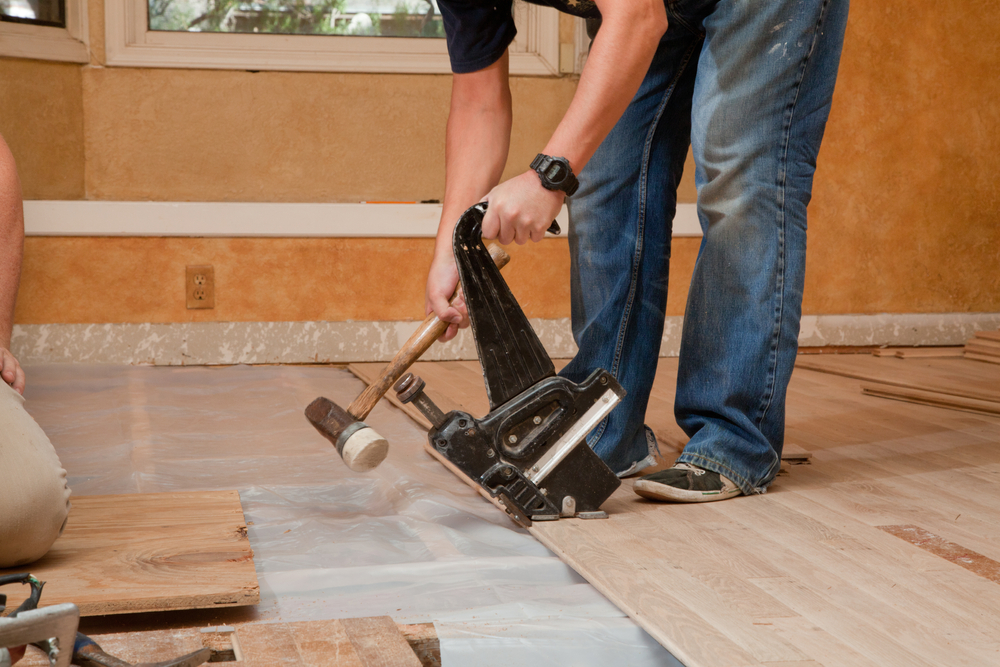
[[555, 173]]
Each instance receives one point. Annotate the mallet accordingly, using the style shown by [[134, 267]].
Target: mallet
[[357, 443]]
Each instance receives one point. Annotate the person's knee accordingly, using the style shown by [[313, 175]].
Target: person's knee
[[34, 497]]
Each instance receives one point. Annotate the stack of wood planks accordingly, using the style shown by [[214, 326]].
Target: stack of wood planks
[[984, 347], [954, 383]]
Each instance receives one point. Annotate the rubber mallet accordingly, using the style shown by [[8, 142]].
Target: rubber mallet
[[357, 443]]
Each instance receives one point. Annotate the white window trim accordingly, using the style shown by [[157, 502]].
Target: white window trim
[[257, 219], [129, 43], [37, 42]]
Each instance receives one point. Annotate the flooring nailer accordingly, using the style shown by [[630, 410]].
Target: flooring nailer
[[529, 451]]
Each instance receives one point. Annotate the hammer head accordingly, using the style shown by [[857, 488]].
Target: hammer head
[[357, 443]]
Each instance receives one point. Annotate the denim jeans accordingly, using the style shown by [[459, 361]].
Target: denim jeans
[[747, 84]]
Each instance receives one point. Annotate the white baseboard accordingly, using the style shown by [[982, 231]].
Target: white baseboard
[[223, 343], [248, 219]]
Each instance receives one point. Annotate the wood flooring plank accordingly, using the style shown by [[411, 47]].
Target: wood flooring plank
[[324, 643], [806, 573], [379, 643], [918, 352], [989, 335], [689, 637], [948, 376], [269, 645], [987, 358], [149, 552], [931, 398], [844, 625]]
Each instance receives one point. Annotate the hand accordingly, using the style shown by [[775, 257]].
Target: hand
[[521, 210], [11, 371], [441, 283]]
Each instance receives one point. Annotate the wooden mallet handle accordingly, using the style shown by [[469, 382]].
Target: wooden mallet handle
[[425, 335]]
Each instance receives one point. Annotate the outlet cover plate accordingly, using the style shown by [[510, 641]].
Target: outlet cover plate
[[199, 286]]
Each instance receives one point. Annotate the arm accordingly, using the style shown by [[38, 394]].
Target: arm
[[476, 145], [521, 209], [11, 248]]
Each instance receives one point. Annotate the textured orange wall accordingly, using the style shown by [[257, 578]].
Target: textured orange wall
[[905, 217], [79, 280], [41, 117], [906, 209], [200, 135]]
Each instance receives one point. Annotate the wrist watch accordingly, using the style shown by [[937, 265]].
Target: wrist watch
[[555, 173]]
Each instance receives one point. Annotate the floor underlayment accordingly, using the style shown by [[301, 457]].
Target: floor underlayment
[[404, 541]]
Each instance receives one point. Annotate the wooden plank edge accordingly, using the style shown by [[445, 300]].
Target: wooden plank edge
[[424, 640], [866, 378], [931, 398], [378, 642]]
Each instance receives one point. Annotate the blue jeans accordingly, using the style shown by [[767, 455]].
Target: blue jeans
[[748, 85]]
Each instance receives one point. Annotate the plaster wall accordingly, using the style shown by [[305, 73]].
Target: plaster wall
[[905, 215]]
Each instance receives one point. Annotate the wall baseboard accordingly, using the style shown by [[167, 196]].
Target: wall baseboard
[[256, 219], [223, 343]]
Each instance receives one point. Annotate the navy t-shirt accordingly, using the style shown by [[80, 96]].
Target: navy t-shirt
[[479, 31]]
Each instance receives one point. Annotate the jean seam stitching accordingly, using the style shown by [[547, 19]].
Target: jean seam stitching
[[772, 371], [637, 255]]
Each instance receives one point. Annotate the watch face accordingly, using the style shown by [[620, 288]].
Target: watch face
[[555, 172]]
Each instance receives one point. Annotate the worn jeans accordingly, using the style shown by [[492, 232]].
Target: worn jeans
[[747, 84]]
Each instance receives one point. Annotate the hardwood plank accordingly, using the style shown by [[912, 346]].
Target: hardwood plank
[[322, 643], [379, 643], [423, 639], [932, 398], [689, 637], [918, 352], [149, 552], [803, 575], [956, 377], [268, 644], [298, 644], [988, 335], [988, 358]]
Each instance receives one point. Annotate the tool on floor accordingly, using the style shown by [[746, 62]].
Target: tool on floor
[[358, 443], [530, 450], [54, 630]]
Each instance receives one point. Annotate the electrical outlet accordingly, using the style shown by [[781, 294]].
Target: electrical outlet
[[200, 286]]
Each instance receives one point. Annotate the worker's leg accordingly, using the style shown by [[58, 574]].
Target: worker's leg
[[762, 96], [34, 497], [620, 246]]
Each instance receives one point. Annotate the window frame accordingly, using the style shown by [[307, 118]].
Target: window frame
[[130, 43], [39, 42]]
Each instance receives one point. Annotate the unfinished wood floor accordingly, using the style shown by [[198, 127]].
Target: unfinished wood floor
[[883, 550]]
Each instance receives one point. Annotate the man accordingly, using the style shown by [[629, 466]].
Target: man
[[34, 497], [748, 85]]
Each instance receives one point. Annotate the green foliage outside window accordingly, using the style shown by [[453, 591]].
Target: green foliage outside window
[[416, 18]]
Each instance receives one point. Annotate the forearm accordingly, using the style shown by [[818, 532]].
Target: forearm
[[476, 144], [619, 59], [11, 241]]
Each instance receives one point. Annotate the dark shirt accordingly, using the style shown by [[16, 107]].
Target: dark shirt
[[479, 31]]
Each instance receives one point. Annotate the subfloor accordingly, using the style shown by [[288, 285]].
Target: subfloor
[[883, 550], [405, 541]]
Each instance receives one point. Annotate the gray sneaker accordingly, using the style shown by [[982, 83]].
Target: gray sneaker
[[686, 483]]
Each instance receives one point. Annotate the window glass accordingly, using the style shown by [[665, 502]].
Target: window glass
[[385, 18], [35, 12]]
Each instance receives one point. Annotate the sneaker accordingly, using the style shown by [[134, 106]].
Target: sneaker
[[686, 483]]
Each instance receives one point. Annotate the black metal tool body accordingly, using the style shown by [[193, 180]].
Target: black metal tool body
[[530, 450]]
